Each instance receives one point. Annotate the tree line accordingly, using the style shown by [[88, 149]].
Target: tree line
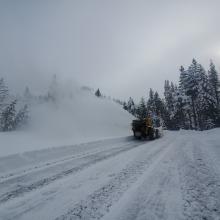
[[193, 103]]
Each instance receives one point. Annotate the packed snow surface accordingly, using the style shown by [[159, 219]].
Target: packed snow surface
[[174, 177]]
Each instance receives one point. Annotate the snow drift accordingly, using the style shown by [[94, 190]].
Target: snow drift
[[81, 117]]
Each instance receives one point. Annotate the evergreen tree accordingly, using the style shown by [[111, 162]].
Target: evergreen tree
[[169, 93], [151, 108], [192, 89], [179, 109], [54, 93], [131, 106], [125, 107], [141, 111], [22, 117], [215, 85], [206, 101], [183, 79], [8, 117], [159, 106], [214, 81], [3, 94], [155, 105], [184, 101], [27, 95], [98, 93], [118, 101]]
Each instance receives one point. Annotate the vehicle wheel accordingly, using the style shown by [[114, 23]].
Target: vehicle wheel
[[134, 134], [151, 134], [138, 137]]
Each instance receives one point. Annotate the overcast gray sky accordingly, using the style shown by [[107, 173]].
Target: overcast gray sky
[[124, 47]]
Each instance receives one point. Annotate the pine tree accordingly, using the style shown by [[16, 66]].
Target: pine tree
[[27, 95], [151, 108], [206, 101], [183, 100], [118, 101], [54, 93], [180, 113], [192, 89], [3, 94], [215, 85], [131, 106], [21, 117], [141, 111], [8, 117], [155, 105], [183, 79], [169, 93], [214, 81], [158, 104], [98, 93], [125, 107]]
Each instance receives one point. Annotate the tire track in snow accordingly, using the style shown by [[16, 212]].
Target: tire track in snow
[[157, 194], [200, 187], [83, 163], [20, 175], [61, 153], [98, 203]]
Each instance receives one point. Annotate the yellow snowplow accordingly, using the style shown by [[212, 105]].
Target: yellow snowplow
[[143, 129]]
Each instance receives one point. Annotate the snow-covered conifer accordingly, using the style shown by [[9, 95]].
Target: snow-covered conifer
[[27, 95], [21, 117], [141, 111], [125, 107], [98, 93], [214, 81], [131, 106], [8, 117], [151, 108], [54, 93], [3, 94]]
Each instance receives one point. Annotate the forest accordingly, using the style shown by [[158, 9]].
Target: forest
[[193, 103]]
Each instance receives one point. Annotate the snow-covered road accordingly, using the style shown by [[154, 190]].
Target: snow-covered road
[[174, 177]]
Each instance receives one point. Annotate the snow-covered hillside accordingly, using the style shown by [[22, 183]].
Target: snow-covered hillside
[[80, 118]]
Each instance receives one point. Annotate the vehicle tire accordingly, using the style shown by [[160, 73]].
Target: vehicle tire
[[137, 137], [157, 133], [151, 134]]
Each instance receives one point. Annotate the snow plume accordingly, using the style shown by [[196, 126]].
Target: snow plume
[[82, 114], [66, 115]]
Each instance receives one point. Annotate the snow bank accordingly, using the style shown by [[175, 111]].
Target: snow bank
[[82, 118]]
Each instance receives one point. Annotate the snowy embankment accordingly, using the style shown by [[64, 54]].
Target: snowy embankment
[[81, 118], [175, 177]]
